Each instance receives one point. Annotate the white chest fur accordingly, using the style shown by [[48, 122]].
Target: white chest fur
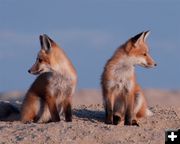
[[121, 76]]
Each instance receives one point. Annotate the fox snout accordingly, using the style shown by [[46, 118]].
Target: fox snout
[[36, 69], [39, 68], [33, 70], [29, 71], [150, 63]]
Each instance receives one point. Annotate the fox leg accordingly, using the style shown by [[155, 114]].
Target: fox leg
[[45, 115], [68, 113], [51, 101], [67, 109], [109, 104], [119, 109], [129, 113], [116, 119], [108, 113], [137, 105]]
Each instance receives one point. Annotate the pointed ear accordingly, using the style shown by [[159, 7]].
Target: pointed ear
[[146, 33], [137, 38], [45, 42], [41, 40]]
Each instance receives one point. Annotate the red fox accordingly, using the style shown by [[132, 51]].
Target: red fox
[[51, 92], [122, 96]]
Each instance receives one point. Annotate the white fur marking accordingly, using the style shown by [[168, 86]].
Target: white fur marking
[[122, 73], [45, 68], [46, 116], [138, 102], [137, 60]]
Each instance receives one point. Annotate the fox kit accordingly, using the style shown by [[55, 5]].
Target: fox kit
[[51, 92], [123, 97]]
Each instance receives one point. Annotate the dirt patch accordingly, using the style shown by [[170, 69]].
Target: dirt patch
[[88, 127]]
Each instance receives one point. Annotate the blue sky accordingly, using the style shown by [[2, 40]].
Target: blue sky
[[89, 31]]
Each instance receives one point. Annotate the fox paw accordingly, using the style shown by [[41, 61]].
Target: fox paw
[[135, 123], [116, 120]]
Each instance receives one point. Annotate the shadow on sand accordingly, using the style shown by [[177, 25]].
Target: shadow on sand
[[89, 115], [8, 112]]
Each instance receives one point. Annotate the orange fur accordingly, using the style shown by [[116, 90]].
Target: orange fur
[[123, 97], [52, 90]]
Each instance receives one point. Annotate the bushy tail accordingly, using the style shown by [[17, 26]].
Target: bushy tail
[[8, 112]]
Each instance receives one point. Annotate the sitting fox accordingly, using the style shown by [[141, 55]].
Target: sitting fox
[[123, 97], [51, 92]]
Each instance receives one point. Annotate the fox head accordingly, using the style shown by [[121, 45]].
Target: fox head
[[48, 58], [138, 51]]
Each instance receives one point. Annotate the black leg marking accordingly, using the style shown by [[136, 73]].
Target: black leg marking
[[109, 116], [116, 119], [68, 113]]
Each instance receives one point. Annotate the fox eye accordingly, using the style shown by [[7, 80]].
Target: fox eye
[[145, 54], [40, 60]]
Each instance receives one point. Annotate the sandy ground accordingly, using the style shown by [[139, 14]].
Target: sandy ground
[[88, 122]]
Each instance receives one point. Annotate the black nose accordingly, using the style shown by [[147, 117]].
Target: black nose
[[155, 64], [29, 71]]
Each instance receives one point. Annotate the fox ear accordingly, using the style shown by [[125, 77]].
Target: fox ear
[[138, 38], [146, 33], [45, 42]]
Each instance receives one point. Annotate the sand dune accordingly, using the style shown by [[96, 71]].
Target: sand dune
[[88, 122]]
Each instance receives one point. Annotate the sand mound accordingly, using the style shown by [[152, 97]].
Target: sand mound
[[88, 122], [88, 127]]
